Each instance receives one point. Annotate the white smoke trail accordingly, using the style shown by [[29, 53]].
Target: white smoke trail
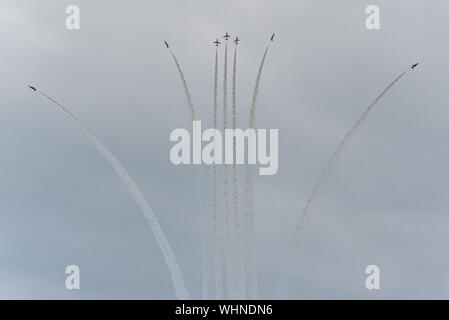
[[218, 280], [284, 282], [225, 125], [191, 108], [334, 156], [252, 110], [231, 272], [130, 184], [249, 216], [235, 203], [238, 257], [186, 89]]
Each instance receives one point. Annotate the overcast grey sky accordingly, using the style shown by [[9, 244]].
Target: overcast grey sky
[[384, 203]]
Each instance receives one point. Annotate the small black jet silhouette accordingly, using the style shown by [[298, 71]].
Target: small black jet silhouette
[[272, 37], [166, 44], [413, 66], [216, 42], [32, 88], [236, 41], [226, 36]]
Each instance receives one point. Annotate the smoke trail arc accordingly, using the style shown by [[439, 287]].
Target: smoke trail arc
[[205, 270], [175, 273], [186, 89], [337, 151], [285, 274], [252, 110], [249, 191]]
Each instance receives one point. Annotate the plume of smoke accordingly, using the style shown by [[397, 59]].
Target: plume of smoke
[[205, 270], [186, 89], [249, 216], [175, 273], [284, 282], [238, 259], [252, 110], [335, 154], [230, 270], [218, 281], [234, 104], [206, 274], [225, 125], [235, 203]]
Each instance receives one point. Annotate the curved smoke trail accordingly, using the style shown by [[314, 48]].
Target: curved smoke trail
[[186, 89], [252, 110], [249, 216], [334, 156], [283, 286], [130, 184], [203, 235], [218, 282]]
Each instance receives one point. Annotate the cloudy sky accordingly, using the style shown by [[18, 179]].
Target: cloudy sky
[[384, 203]]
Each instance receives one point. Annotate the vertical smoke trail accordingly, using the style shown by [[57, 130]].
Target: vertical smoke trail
[[230, 271], [249, 216], [335, 154], [234, 125], [203, 228], [218, 281], [283, 285], [238, 259], [225, 125], [130, 184]]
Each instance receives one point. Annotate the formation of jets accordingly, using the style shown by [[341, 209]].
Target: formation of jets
[[236, 41]]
